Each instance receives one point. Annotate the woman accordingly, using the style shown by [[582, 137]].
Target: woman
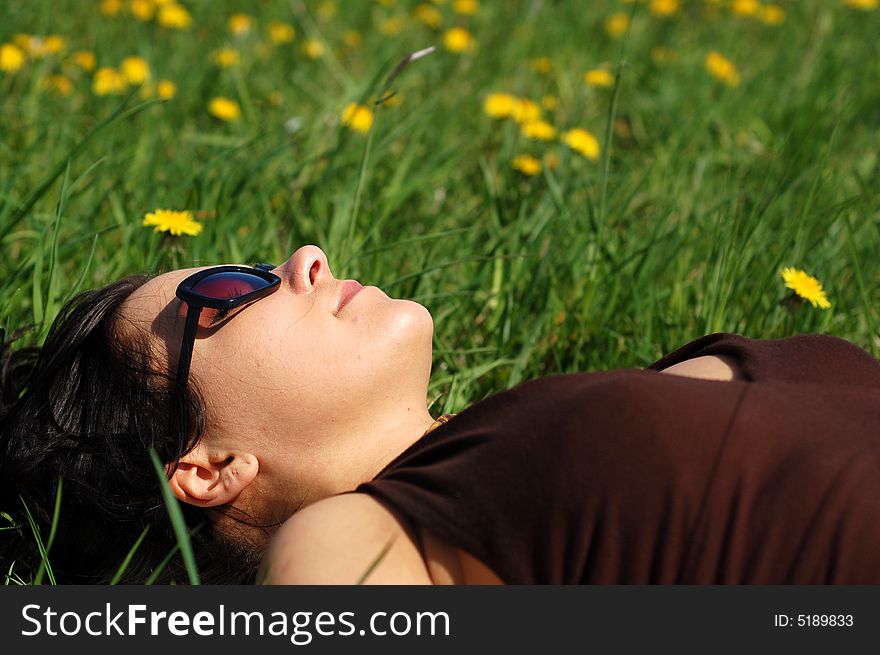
[[286, 397]]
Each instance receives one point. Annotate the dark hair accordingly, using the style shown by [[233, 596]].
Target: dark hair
[[85, 408]]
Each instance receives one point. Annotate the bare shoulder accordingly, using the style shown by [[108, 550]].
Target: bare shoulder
[[338, 540], [707, 367]]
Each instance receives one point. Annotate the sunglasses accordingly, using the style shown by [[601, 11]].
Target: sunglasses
[[213, 296]]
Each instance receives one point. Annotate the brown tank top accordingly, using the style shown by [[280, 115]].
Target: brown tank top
[[633, 477]]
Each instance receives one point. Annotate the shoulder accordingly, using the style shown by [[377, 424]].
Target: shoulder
[[707, 367], [344, 539]]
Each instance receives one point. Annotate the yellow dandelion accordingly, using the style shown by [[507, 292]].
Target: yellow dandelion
[[550, 103], [552, 160], [225, 109], [352, 39], [541, 130], [526, 111], [664, 7], [428, 15], [143, 10], [53, 44], [358, 117], [745, 7], [805, 286], [458, 40], [240, 24], [111, 7], [108, 81], [500, 105], [392, 100], [583, 142], [313, 49], [166, 89], [392, 26], [226, 57], [174, 16], [661, 55], [526, 164], [326, 10], [599, 77], [865, 5], [616, 25], [721, 68], [176, 223], [85, 59], [58, 84], [11, 58], [772, 15], [279, 32], [136, 70], [541, 65], [275, 98], [23, 41], [466, 7]]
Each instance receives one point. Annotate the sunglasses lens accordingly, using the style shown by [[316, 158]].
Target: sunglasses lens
[[223, 286], [230, 284]]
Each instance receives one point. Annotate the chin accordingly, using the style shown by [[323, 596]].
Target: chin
[[412, 332]]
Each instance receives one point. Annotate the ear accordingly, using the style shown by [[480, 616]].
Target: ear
[[207, 477]]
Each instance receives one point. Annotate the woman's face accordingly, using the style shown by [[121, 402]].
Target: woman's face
[[299, 382]]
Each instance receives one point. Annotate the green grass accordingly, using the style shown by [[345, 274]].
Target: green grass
[[702, 193]]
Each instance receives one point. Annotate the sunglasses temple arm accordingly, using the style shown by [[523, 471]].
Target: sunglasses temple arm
[[186, 347]]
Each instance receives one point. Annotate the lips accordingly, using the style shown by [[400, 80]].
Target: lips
[[349, 289]]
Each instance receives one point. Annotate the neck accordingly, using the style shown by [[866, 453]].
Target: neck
[[364, 444], [396, 434]]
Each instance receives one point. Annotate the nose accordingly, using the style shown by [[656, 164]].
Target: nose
[[306, 268]]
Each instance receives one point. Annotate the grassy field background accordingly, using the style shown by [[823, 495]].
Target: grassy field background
[[703, 190]]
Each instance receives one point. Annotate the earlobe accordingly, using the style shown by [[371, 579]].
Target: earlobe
[[208, 478]]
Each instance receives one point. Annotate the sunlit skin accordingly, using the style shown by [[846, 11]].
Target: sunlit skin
[[302, 402]]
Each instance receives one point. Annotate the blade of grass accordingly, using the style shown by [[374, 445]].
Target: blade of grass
[[376, 561], [177, 522], [122, 567], [56, 513], [44, 555]]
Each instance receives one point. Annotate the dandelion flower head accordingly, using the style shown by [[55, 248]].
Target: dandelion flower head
[[458, 40], [358, 117], [664, 7], [85, 59], [539, 129], [616, 25], [174, 16], [721, 68], [240, 24], [582, 141], [279, 32], [526, 164], [599, 77], [174, 222], [466, 7], [225, 109], [11, 58], [136, 70], [772, 15], [226, 57], [109, 81], [166, 89], [805, 286]]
